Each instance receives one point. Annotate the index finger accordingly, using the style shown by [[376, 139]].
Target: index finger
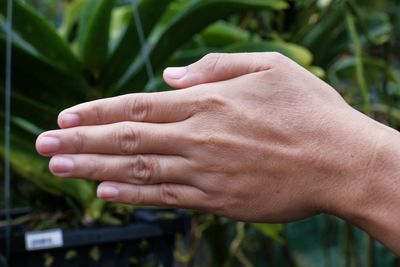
[[161, 107]]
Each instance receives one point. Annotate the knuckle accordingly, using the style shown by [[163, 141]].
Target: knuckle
[[137, 108], [78, 141], [94, 170], [97, 112], [211, 139], [137, 196], [219, 206], [212, 61], [211, 57], [227, 201], [206, 139], [127, 139], [277, 58], [209, 102], [141, 169], [219, 203], [168, 195]]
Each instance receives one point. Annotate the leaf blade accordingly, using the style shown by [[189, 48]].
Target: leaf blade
[[129, 46], [93, 33], [41, 35], [36, 78]]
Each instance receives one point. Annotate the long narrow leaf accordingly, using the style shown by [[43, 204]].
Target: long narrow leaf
[[222, 33], [129, 46], [41, 35], [358, 53], [93, 35], [36, 78], [34, 168], [28, 109], [326, 32], [71, 17]]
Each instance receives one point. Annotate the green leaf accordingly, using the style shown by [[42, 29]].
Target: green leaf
[[392, 112], [34, 77], [223, 33], [273, 231], [376, 26], [25, 112], [71, 17], [95, 208], [182, 29], [188, 56], [27, 109], [317, 71], [129, 46], [343, 70], [323, 37], [34, 168], [93, 34], [360, 69], [41, 35], [120, 18], [299, 54]]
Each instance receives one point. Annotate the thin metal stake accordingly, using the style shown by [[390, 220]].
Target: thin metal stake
[[7, 127], [144, 44]]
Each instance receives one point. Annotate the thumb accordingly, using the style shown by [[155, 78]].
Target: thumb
[[218, 67]]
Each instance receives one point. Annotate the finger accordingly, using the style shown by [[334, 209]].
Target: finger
[[124, 138], [159, 107], [164, 195], [220, 67], [139, 170]]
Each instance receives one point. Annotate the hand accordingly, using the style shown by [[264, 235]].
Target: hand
[[255, 137]]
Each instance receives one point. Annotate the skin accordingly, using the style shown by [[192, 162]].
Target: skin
[[253, 137]]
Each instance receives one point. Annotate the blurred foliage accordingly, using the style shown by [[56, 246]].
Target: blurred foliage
[[67, 52]]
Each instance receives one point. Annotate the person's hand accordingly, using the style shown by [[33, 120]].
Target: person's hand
[[254, 137]]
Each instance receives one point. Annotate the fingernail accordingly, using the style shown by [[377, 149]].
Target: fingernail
[[107, 192], [61, 165], [69, 120], [175, 72], [47, 144]]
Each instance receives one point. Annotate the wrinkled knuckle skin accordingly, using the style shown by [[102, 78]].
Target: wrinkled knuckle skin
[[207, 139], [211, 61], [137, 108], [141, 170], [210, 102], [94, 170], [169, 195], [219, 203], [136, 197], [219, 207], [226, 204], [97, 113], [127, 139], [78, 142]]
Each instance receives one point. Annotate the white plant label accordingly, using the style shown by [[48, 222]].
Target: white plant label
[[44, 239]]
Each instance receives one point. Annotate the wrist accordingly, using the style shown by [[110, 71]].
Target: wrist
[[370, 197]]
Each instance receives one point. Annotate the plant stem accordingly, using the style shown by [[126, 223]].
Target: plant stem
[[188, 259], [235, 248], [360, 75]]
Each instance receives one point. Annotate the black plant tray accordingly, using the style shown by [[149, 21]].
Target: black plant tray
[[148, 241]]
